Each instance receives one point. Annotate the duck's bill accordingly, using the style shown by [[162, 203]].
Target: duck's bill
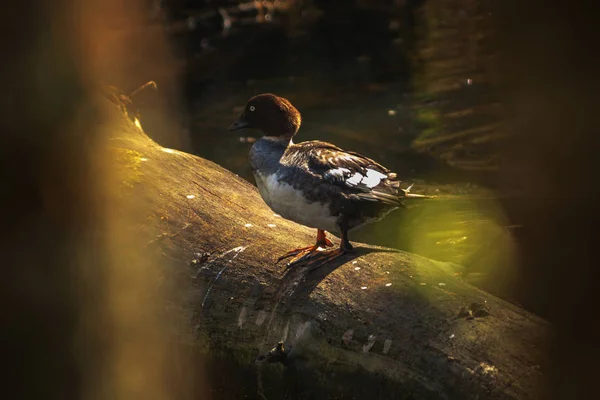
[[239, 124]]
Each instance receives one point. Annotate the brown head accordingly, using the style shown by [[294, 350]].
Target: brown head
[[273, 115]]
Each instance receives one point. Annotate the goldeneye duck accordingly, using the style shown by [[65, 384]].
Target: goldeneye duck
[[315, 183]]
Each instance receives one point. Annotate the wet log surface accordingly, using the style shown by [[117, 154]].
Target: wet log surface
[[379, 323]]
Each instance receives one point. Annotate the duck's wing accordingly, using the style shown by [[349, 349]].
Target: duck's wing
[[358, 177]]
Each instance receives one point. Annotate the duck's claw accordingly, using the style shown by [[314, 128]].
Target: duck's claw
[[296, 252], [305, 253], [315, 258]]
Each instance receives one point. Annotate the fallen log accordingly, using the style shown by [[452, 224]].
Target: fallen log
[[378, 323]]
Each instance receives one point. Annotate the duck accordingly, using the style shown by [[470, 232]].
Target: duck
[[315, 183]]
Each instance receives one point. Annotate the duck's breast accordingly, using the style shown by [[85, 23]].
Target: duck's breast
[[292, 204], [262, 187]]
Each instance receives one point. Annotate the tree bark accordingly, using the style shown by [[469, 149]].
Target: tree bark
[[378, 323]]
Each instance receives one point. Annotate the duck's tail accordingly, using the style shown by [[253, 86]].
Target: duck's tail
[[395, 197]]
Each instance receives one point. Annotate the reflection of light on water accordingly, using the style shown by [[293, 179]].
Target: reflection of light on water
[[454, 230], [452, 240], [470, 233]]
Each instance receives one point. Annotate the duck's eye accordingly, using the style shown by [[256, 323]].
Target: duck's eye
[[252, 108]]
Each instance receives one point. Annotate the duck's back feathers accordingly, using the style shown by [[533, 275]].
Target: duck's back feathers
[[358, 177]]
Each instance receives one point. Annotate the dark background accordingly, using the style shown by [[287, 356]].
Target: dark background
[[515, 82]]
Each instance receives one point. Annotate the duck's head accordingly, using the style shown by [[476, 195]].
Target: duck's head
[[273, 115]]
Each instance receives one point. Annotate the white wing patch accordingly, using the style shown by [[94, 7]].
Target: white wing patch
[[354, 179], [337, 173], [372, 178]]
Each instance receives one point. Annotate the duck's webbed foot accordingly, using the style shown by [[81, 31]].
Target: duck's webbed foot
[[322, 242], [317, 255], [315, 258], [298, 252]]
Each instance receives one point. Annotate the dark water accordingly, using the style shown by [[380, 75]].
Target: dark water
[[410, 84]]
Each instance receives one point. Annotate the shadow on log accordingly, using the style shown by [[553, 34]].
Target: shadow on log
[[379, 323]]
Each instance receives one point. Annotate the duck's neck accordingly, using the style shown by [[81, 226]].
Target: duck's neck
[[281, 140], [265, 155]]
